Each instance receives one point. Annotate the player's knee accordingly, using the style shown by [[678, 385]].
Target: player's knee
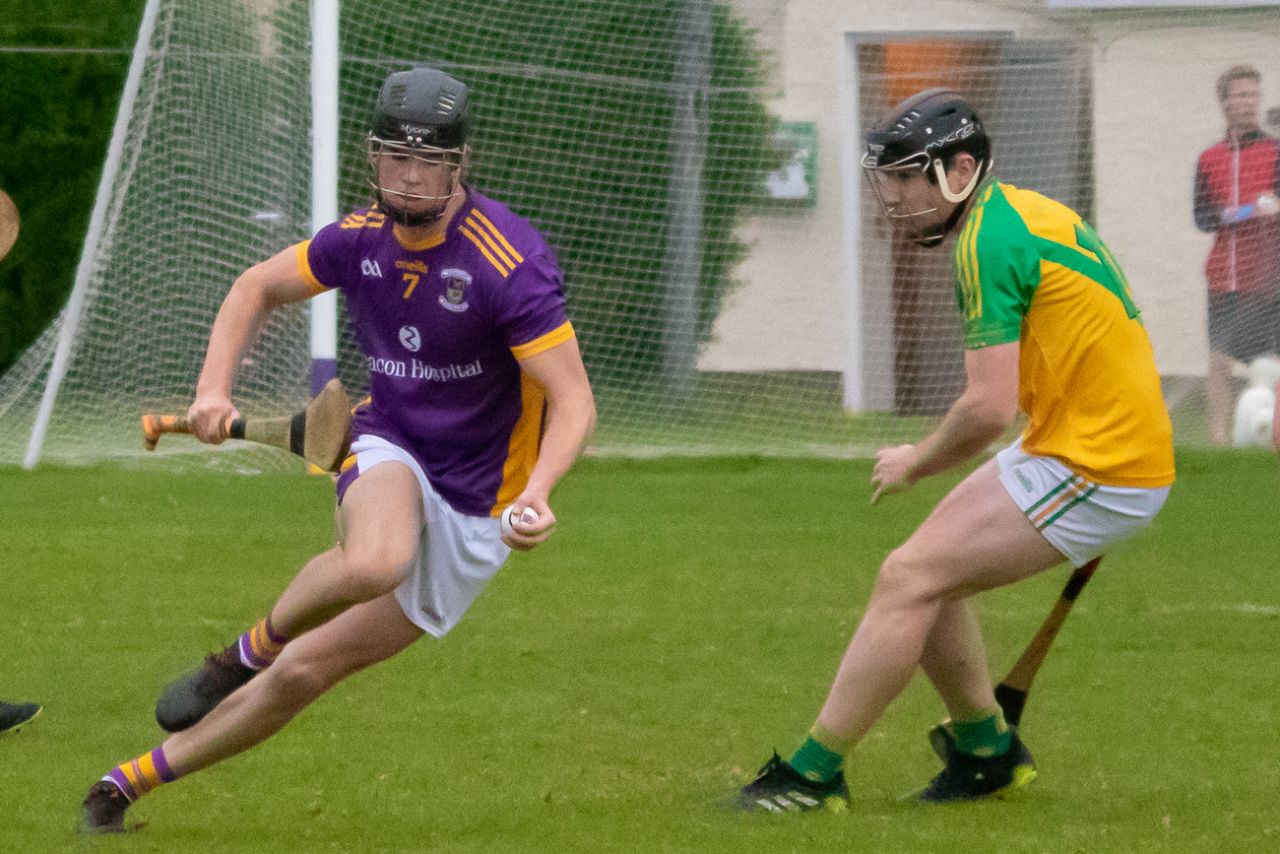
[[371, 572], [906, 579], [294, 681]]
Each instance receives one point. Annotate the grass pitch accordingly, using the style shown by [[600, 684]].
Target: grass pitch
[[686, 618]]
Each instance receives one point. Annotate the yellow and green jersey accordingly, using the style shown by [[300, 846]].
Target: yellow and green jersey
[[1029, 269]]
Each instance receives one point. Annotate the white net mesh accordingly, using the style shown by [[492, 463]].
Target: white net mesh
[[715, 316]]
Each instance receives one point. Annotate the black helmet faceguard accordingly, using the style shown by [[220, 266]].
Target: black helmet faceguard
[[922, 135], [420, 114]]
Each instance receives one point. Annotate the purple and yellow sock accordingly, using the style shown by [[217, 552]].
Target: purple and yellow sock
[[261, 645], [139, 776]]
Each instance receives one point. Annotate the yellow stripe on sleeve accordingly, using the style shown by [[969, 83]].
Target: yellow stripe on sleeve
[[493, 244], [498, 234], [484, 250], [975, 274], [542, 343], [304, 270], [961, 270]]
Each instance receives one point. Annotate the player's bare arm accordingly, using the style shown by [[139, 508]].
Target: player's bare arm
[[255, 294], [977, 418], [571, 416]]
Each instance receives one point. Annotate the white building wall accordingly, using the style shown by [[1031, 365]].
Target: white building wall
[[1154, 110], [790, 287]]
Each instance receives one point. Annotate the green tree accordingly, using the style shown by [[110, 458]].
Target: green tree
[[56, 111]]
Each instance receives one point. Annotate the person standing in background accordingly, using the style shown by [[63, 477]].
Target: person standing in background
[[1236, 198]]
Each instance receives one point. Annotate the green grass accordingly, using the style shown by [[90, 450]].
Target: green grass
[[686, 618]]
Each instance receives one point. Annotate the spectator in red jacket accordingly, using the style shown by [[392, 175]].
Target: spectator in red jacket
[[1237, 184]]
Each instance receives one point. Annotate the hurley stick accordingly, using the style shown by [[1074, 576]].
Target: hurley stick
[[1012, 691], [320, 434]]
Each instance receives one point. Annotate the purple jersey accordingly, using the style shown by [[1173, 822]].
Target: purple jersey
[[442, 323]]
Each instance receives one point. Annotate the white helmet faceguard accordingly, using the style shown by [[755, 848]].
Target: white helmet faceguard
[[453, 160], [918, 164]]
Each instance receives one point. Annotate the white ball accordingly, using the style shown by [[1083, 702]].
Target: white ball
[[1255, 411], [506, 519]]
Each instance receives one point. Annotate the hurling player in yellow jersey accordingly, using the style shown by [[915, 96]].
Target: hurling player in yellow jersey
[[1050, 328]]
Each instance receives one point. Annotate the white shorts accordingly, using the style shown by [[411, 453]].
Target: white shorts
[[457, 554], [1078, 517]]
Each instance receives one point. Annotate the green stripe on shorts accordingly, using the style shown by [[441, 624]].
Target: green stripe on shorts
[[1093, 487]]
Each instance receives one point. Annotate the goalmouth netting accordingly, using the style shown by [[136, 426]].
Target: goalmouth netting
[[694, 164]]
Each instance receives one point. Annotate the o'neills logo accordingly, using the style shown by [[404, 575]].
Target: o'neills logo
[[412, 369]]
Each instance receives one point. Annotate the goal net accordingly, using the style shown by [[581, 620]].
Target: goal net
[[694, 165]]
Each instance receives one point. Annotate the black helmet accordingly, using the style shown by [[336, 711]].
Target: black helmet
[[421, 114], [422, 107], [933, 124], [922, 135]]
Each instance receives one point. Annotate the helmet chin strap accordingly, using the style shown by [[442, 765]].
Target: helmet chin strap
[[939, 233], [934, 237], [957, 198]]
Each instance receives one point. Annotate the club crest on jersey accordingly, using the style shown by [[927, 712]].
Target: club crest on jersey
[[454, 297], [411, 338]]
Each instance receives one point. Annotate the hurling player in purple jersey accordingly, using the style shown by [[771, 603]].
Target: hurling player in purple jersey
[[479, 400]]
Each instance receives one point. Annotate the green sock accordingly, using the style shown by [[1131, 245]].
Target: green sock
[[817, 761], [987, 736]]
